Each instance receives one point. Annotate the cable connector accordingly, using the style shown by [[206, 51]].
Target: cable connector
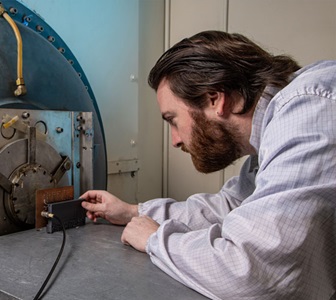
[[47, 215]]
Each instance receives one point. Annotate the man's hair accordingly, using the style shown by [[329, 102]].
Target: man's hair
[[216, 61]]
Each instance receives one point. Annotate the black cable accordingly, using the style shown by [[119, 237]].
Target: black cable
[[48, 215]]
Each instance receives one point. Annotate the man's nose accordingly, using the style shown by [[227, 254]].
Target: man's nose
[[176, 140]]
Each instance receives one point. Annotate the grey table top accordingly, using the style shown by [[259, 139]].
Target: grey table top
[[94, 265]]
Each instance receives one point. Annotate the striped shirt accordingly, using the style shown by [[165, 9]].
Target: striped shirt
[[269, 233]]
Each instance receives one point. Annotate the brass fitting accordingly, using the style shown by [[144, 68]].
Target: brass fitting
[[21, 88], [47, 215], [2, 10]]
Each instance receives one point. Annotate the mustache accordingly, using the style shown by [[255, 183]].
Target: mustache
[[184, 148]]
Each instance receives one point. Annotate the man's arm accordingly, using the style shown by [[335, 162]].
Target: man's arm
[[199, 211], [202, 210], [279, 243]]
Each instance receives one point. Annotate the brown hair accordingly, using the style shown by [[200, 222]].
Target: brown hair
[[216, 61]]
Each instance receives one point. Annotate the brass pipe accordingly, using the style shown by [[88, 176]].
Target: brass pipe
[[21, 88]]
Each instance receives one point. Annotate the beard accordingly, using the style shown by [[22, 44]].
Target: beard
[[213, 145]]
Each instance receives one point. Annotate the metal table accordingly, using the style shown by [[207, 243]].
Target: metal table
[[94, 265]]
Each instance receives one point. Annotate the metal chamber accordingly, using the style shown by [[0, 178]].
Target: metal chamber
[[55, 84]]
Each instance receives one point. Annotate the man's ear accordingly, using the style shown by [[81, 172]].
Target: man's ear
[[216, 103]]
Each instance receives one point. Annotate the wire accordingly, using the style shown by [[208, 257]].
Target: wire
[[52, 216]]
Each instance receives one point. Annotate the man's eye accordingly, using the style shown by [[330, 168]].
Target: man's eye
[[170, 121]]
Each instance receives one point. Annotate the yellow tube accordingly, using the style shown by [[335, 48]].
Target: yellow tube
[[10, 122], [21, 89]]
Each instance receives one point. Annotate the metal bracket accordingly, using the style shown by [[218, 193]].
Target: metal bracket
[[64, 166], [123, 166], [5, 183]]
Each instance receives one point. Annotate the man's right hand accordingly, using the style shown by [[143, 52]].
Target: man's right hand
[[102, 204]]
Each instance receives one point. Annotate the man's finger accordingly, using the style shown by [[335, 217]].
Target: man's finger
[[92, 195], [94, 207]]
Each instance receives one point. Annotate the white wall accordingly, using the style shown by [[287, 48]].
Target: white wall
[[151, 46], [305, 29]]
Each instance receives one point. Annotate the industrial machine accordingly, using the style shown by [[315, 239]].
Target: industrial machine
[[51, 135]]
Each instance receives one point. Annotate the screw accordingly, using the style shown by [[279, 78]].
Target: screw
[[27, 19], [25, 115], [67, 165], [51, 39], [39, 28], [13, 10]]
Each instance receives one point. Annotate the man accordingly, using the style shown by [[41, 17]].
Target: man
[[269, 233]]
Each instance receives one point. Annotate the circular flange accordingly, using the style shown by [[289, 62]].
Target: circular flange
[[20, 203], [26, 178]]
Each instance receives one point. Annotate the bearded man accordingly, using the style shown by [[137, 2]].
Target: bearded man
[[269, 233]]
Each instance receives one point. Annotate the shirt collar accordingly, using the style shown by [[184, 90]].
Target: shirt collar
[[258, 115]]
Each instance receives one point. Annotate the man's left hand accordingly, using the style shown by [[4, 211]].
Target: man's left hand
[[137, 232]]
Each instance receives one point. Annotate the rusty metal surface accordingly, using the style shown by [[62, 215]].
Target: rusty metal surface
[[51, 195]]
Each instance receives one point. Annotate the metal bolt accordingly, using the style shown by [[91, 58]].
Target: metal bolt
[[78, 165], [39, 28], [51, 39], [59, 129], [25, 115], [67, 165], [13, 10], [27, 19]]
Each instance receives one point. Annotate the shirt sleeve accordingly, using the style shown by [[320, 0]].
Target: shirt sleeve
[[201, 210], [280, 240]]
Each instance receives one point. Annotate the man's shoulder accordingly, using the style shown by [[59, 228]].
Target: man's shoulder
[[318, 79]]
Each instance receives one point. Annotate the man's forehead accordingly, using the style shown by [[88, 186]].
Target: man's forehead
[[168, 102]]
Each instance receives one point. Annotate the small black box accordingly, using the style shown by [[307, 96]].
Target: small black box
[[70, 212]]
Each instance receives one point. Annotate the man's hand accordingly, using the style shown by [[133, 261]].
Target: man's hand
[[137, 232], [101, 204]]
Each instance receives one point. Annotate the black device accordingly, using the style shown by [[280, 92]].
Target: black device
[[70, 212]]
